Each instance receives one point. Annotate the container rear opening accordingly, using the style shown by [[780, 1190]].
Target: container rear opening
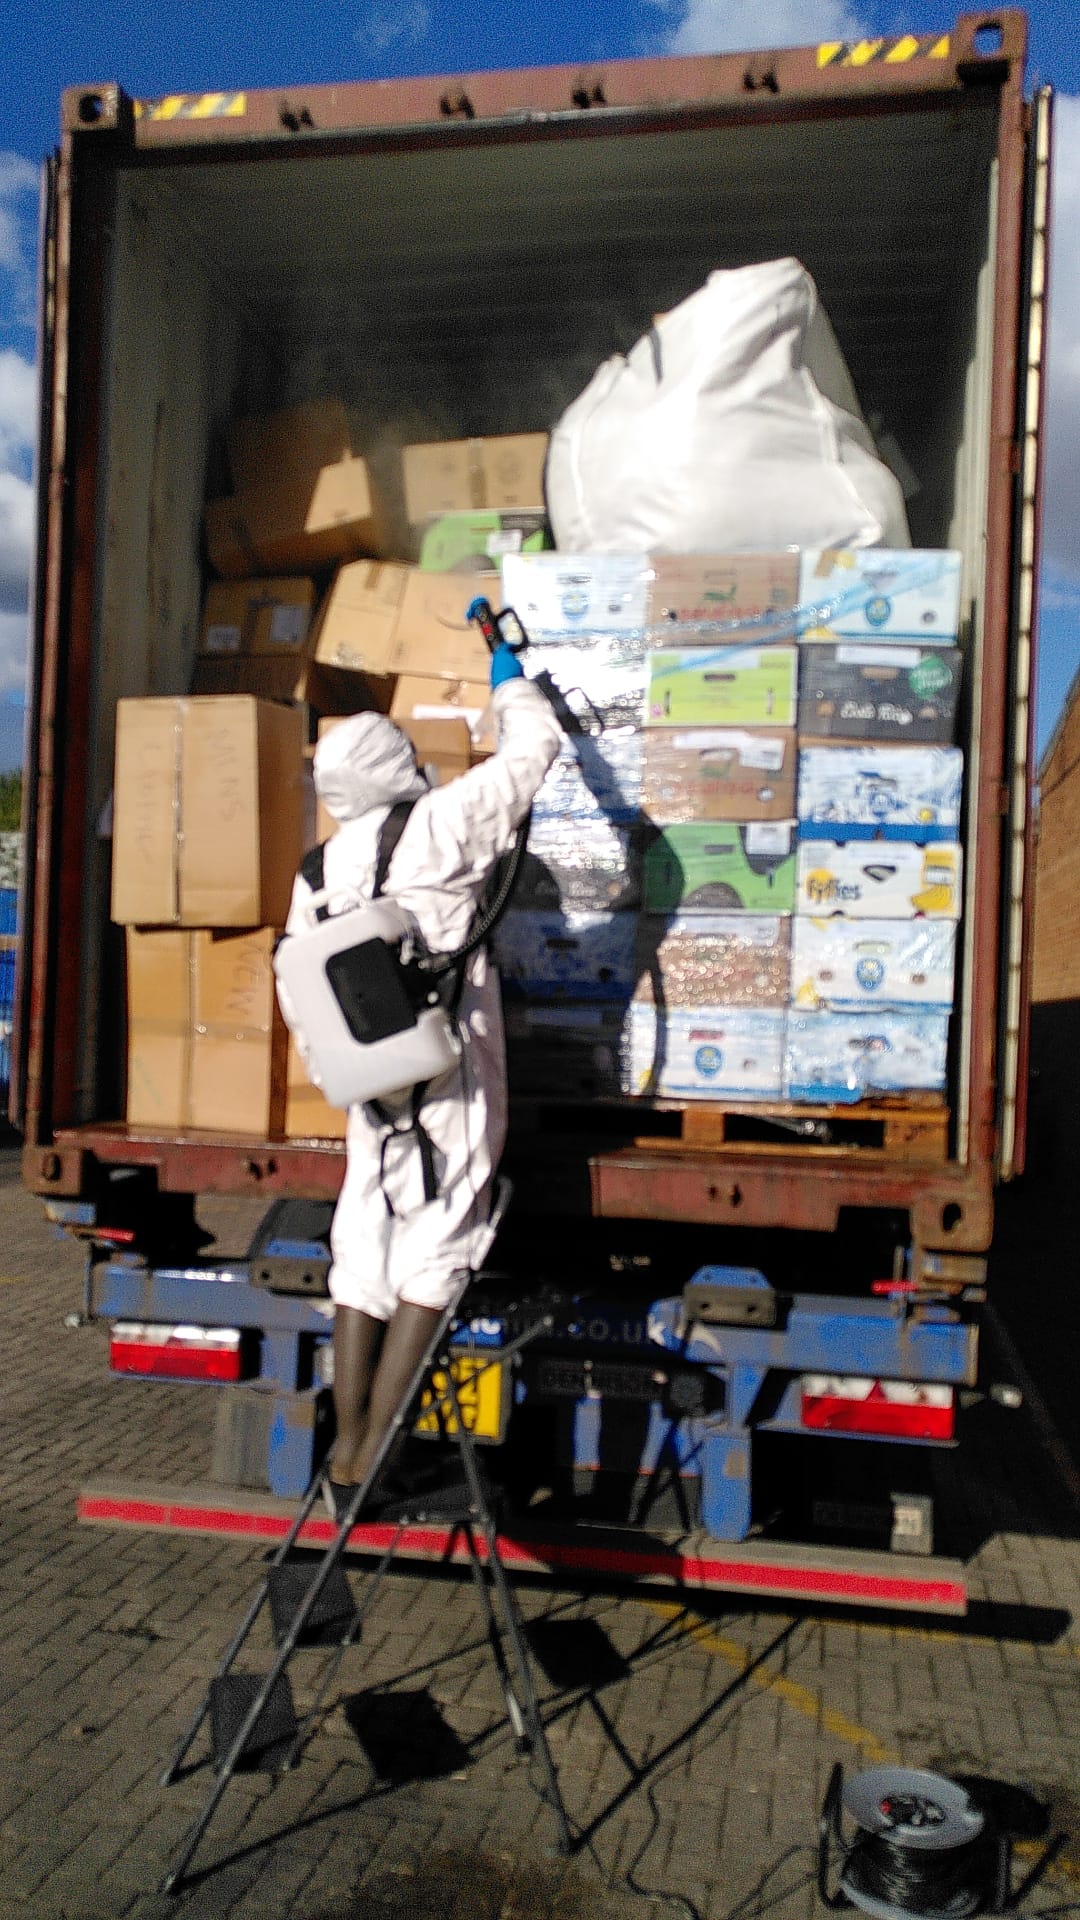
[[472, 286]]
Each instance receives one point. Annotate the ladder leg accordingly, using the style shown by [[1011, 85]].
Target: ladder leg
[[347, 1640]]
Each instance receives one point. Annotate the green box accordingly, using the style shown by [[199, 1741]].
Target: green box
[[469, 542], [722, 867], [723, 686]]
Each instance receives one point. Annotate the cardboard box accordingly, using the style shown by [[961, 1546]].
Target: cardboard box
[[722, 867], [595, 776], [239, 1044], [718, 773], [706, 1053], [326, 690], [257, 617], [297, 523], [710, 960], [892, 880], [565, 956], [875, 592], [732, 589], [158, 1027], [264, 446], [566, 594], [432, 635], [603, 682], [580, 865], [443, 747], [451, 476], [722, 687], [308, 1114], [357, 619], [206, 1041], [419, 696], [567, 1052], [208, 811], [867, 690], [841, 963], [885, 793], [843, 1057], [472, 542]]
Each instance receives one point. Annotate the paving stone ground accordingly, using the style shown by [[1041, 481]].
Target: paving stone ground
[[694, 1741]]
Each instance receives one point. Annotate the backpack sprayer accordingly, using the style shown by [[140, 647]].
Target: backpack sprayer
[[373, 1012]]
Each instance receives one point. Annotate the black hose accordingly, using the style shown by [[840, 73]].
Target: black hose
[[960, 1880]]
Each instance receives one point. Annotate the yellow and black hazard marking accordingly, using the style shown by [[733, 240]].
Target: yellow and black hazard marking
[[193, 106], [861, 53]]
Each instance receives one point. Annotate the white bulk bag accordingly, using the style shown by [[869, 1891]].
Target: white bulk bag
[[732, 427]]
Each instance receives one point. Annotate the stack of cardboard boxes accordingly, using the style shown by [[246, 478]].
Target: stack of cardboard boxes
[[744, 871]]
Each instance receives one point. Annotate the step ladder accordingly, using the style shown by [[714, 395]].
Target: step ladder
[[252, 1715]]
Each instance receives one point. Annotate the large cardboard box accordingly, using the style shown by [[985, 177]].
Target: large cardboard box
[[239, 1042], [869, 690], [263, 446], [442, 747], [297, 523], [206, 1041], [722, 867], [245, 617], [450, 476], [603, 682], [890, 880], [842, 963], [732, 589], [878, 593], [880, 793], [706, 1053], [325, 690], [472, 542], [357, 619], [208, 811], [723, 687], [422, 696], [849, 1056], [714, 960], [565, 956], [308, 1114], [158, 1027], [718, 773], [567, 594], [595, 776], [567, 1052], [432, 635], [580, 865]]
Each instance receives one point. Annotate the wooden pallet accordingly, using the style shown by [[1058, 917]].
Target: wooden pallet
[[914, 1127]]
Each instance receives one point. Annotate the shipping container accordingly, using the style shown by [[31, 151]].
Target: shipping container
[[452, 257]]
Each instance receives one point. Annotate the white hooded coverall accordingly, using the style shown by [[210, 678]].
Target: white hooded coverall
[[387, 1243]]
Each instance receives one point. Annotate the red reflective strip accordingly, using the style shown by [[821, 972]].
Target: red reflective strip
[[830, 1413], [176, 1362], [777, 1578]]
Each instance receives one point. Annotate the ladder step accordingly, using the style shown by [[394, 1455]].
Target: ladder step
[[232, 1695], [331, 1616]]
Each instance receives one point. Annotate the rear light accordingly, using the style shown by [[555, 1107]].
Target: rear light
[[900, 1409], [175, 1353]]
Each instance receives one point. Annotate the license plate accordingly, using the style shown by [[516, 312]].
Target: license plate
[[481, 1390]]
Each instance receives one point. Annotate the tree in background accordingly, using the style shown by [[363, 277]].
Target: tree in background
[[10, 802]]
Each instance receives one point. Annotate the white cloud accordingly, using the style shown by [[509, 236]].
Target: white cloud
[[728, 26], [392, 22], [16, 540], [18, 406], [18, 214], [13, 654], [1061, 511]]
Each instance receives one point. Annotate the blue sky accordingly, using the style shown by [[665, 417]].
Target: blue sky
[[203, 45]]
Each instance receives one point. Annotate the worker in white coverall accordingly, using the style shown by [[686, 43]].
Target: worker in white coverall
[[397, 1258]]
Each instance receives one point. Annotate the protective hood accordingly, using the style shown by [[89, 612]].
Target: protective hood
[[365, 762]]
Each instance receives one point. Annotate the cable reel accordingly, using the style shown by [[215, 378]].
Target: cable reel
[[920, 1847]]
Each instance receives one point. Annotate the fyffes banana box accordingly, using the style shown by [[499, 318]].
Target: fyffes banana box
[[875, 792], [878, 593], [843, 963], [706, 1053], [849, 1056], [882, 880], [728, 686]]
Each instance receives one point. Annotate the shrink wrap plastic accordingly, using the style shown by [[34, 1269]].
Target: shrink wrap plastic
[[732, 426], [871, 792], [879, 879], [586, 864], [846, 1056], [842, 963], [596, 776], [572, 1052], [706, 1053], [566, 956], [725, 959]]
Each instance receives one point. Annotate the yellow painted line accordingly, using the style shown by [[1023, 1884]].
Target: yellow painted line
[[940, 49], [828, 51], [14, 1280], [861, 55], [810, 1704], [169, 108], [206, 106], [905, 49]]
